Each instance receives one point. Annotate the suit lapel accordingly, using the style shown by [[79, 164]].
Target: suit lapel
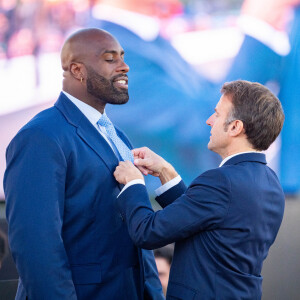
[[87, 132], [95, 140]]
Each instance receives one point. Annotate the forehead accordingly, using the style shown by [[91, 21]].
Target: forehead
[[106, 43], [224, 104]]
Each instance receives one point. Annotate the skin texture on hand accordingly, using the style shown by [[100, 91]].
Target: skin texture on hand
[[274, 12], [149, 162], [126, 172]]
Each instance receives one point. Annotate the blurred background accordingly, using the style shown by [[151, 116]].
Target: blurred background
[[179, 54]]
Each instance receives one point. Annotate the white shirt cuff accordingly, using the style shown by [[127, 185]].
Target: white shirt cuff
[[277, 40], [167, 185], [132, 182]]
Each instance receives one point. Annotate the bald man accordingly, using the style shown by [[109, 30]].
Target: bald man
[[67, 239]]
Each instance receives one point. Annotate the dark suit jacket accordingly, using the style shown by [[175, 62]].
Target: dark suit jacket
[[223, 226], [65, 235]]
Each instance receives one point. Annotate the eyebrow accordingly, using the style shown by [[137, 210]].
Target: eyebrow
[[113, 52]]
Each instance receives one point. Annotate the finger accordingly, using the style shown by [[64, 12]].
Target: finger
[[144, 170], [137, 151], [116, 174], [140, 152], [142, 162]]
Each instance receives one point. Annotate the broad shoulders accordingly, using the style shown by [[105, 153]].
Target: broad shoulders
[[47, 124], [227, 174], [214, 175]]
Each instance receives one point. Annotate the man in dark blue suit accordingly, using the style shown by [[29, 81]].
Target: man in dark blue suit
[[225, 222], [67, 239]]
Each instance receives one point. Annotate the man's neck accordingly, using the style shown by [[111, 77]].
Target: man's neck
[[235, 147]]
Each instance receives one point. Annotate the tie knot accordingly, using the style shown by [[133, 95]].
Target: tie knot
[[104, 121]]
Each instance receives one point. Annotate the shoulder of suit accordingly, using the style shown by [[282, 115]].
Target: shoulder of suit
[[45, 125], [212, 177]]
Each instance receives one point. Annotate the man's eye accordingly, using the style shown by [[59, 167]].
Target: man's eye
[[109, 60]]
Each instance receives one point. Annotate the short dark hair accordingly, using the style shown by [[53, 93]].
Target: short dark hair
[[165, 252], [259, 110]]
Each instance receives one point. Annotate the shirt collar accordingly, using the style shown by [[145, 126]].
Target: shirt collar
[[92, 114], [233, 155], [144, 26]]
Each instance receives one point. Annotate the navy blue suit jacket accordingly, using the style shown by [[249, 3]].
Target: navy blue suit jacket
[[223, 224], [65, 235]]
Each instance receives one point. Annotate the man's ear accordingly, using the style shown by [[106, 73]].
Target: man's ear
[[236, 128], [77, 70]]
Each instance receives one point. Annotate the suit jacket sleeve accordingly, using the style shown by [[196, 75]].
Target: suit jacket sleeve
[[202, 207], [34, 186], [153, 289], [171, 195]]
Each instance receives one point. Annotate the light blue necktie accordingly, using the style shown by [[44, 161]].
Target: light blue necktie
[[124, 151]]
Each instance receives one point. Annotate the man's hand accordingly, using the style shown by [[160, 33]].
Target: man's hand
[[149, 162], [126, 172]]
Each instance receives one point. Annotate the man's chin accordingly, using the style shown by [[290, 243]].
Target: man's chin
[[119, 101], [122, 102], [210, 147]]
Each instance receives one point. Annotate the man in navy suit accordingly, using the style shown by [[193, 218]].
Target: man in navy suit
[[67, 239], [225, 222]]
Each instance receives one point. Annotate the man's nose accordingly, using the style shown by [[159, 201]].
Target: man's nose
[[123, 67], [209, 121]]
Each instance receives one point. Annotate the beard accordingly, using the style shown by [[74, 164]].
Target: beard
[[104, 89]]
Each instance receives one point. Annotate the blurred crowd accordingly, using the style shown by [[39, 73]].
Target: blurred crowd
[[30, 27]]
